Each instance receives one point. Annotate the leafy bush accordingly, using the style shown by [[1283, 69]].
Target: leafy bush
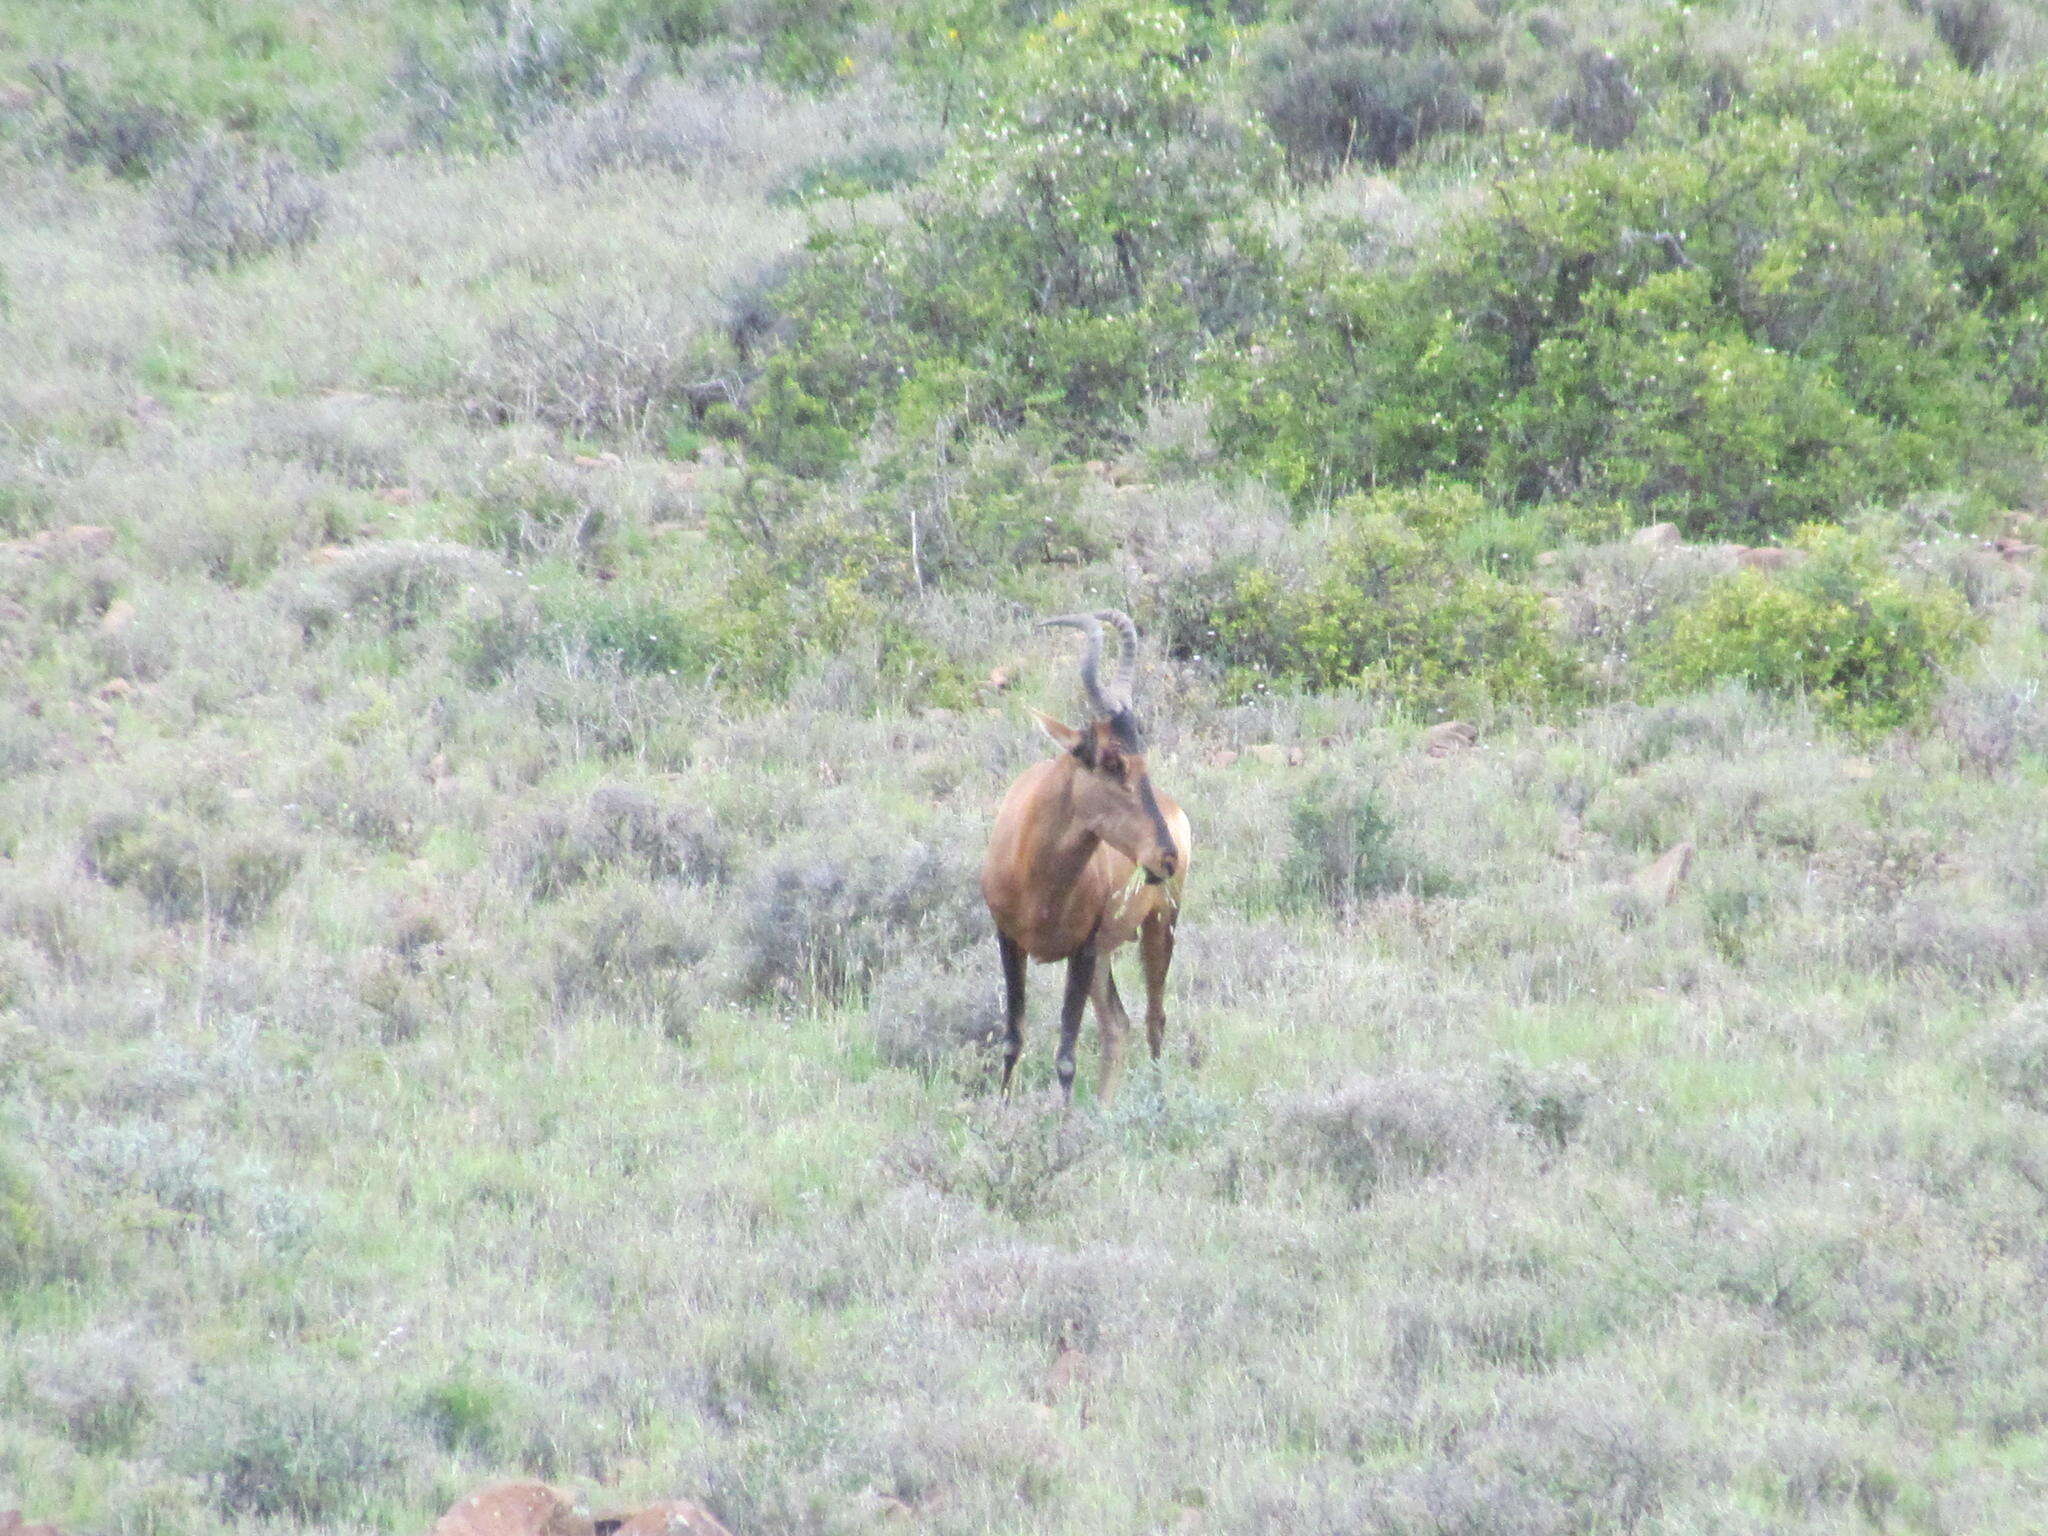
[[1816, 301], [1080, 243], [219, 207], [1379, 606], [1838, 628]]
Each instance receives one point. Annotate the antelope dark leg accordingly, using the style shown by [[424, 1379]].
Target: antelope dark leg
[[1155, 949], [1080, 981], [1013, 1005]]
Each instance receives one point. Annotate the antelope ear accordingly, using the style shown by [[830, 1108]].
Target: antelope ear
[[1065, 737]]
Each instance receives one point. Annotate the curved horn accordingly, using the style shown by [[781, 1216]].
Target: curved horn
[[1127, 673], [1091, 663]]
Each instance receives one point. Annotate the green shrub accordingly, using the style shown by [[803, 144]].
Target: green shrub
[[1381, 606], [1081, 241], [1822, 299], [1342, 846], [1838, 628], [292, 1444]]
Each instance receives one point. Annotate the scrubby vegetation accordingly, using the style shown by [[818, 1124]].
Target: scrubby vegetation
[[518, 527]]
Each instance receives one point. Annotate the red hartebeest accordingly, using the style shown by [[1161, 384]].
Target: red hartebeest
[[1084, 858]]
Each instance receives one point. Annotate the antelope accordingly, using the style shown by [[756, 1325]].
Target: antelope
[[1085, 857]]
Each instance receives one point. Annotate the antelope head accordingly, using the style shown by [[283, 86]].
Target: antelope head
[[1111, 791]]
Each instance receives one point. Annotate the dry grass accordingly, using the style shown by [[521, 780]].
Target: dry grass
[[432, 1048]]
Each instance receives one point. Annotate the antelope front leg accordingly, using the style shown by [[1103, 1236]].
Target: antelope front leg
[[1080, 980], [1013, 1005], [1113, 1024], [1155, 949]]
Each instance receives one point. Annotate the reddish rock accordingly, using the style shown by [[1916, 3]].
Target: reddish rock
[[676, 1517], [1769, 558], [1448, 736], [515, 1509], [1659, 882]]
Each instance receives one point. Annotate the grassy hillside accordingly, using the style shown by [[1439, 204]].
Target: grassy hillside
[[519, 528]]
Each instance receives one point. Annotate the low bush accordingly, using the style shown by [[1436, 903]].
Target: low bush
[[271, 1445], [126, 136], [104, 1387], [1378, 605], [1838, 628], [1381, 1130], [629, 949], [928, 1018], [816, 922], [218, 207], [2014, 1056], [620, 829], [598, 366], [1368, 81], [187, 869], [390, 584]]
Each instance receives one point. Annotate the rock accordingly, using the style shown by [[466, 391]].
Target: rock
[[1769, 558], [1571, 837], [516, 1509], [674, 1517], [14, 1523], [119, 615], [1658, 536], [2015, 550], [1659, 882], [80, 539], [1070, 1370], [1448, 736]]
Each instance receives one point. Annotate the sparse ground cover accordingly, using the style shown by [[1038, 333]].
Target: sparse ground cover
[[502, 699]]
